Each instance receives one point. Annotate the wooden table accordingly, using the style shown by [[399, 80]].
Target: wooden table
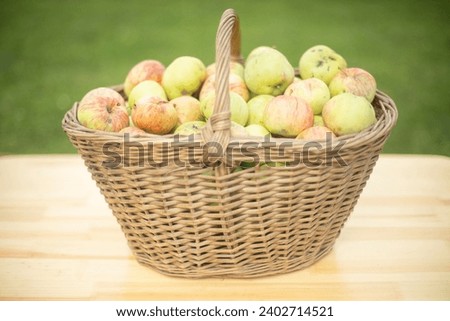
[[59, 240]]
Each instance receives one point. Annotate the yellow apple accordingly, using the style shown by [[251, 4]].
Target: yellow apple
[[189, 128], [146, 88], [268, 72], [256, 107], [321, 62], [188, 109], [184, 76], [348, 114], [238, 108], [313, 90]]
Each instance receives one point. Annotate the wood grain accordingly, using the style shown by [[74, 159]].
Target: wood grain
[[59, 241]]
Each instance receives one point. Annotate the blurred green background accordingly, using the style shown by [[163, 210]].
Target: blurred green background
[[52, 52]]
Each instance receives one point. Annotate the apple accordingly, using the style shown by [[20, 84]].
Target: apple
[[144, 70], [318, 120], [256, 107], [235, 68], [356, 81], [268, 72], [315, 133], [238, 108], [321, 62], [190, 127], [258, 51], [256, 130], [313, 90], [103, 109], [188, 109], [236, 84], [184, 76], [348, 114], [287, 116], [146, 88], [132, 131], [154, 115], [237, 130]]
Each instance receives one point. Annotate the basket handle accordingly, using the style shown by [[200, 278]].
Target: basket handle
[[216, 134]]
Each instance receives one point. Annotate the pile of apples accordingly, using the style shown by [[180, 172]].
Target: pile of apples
[[266, 98]]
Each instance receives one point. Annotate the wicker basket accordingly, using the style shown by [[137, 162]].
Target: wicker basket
[[185, 211]]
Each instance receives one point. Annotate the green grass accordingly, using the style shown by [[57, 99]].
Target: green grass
[[52, 52]]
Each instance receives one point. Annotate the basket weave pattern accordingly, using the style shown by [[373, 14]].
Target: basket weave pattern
[[208, 221]]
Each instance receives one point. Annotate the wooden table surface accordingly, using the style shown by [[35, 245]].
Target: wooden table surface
[[59, 240]]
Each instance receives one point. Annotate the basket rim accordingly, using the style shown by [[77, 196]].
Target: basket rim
[[388, 115]]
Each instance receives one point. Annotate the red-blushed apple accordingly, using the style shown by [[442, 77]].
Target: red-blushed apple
[[190, 127], [188, 109], [313, 90], [320, 62], [238, 108], [235, 68], [145, 70], [268, 72], [356, 81], [288, 116], [134, 131], [146, 88], [184, 76], [348, 114], [103, 109], [154, 115], [236, 84], [315, 133], [256, 107]]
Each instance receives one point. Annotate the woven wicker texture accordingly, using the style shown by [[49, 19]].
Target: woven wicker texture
[[186, 212]]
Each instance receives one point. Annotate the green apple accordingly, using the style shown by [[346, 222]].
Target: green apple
[[256, 130], [238, 108], [189, 128], [287, 116], [348, 114], [144, 70], [318, 120], [184, 76], [321, 62], [256, 107], [258, 51], [356, 81], [146, 88], [237, 130], [313, 90], [103, 109], [188, 109], [268, 72]]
